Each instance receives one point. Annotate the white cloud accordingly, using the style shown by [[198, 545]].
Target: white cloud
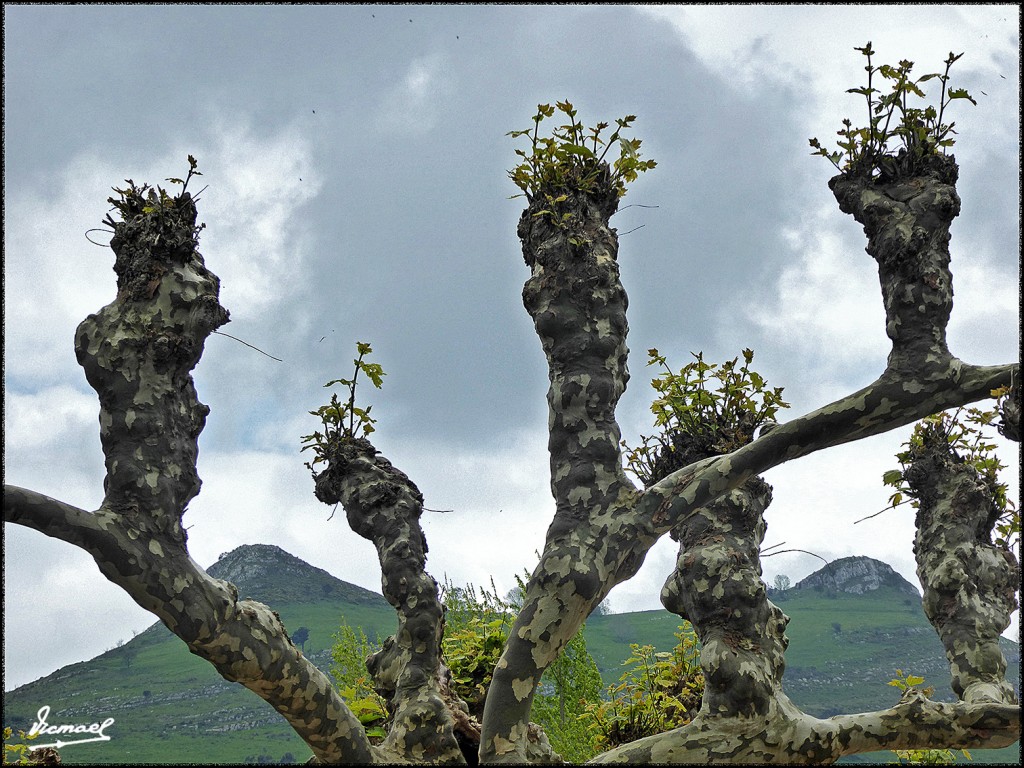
[[984, 328], [251, 204], [51, 444], [252, 209], [44, 236], [500, 500], [412, 105], [827, 304]]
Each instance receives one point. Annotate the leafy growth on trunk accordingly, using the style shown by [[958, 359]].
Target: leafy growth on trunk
[[697, 418], [476, 628], [135, 200], [656, 693], [573, 158], [916, 133], [342, 421], [965, 432]]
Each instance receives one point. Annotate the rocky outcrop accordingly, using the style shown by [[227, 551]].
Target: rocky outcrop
[[271, 575], [856, 576]]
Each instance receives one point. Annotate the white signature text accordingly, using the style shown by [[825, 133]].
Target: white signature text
[[42, 728]]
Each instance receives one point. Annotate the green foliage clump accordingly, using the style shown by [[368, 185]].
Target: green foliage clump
[[135, 200], [921, 756], [572, 158], [569, 687], [477, 624], [697, 418], [343, 421], [658, 692], [917, 132], [965, 433], [18, 754], [348, 668]]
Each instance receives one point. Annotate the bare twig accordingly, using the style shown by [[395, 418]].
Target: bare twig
[[221, 333]]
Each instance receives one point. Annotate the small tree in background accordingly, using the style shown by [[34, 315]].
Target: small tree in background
[[300, 636]]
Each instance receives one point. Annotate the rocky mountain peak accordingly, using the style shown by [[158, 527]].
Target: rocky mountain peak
[[269, 574], [857, 576]]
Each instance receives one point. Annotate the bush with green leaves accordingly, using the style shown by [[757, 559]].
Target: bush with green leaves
[[19, 753], [572, 159], [344, 421], [967, 433], [353, 681], [658, 692], [704, 410], [477, 623], [916, 132]]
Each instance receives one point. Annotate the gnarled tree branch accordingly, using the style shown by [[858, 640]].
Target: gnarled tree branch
[[137, 353], [429, 722], [603, 527]]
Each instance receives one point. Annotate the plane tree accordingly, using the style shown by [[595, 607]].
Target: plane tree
[[700, 477]]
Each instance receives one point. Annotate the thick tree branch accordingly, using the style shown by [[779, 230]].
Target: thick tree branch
[[969, 583], [384, 506], [890, 402], [798, 739], [603, 528], [53, 517], [137, 353]]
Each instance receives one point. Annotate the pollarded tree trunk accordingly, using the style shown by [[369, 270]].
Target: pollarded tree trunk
[[429, 723], [969, 582], [604, 527], [138, 353]]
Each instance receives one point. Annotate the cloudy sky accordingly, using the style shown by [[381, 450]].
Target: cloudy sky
[[356, 159]]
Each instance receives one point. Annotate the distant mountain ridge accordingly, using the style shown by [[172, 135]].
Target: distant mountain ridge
[[857, 576], [172, 707], [268, 573]]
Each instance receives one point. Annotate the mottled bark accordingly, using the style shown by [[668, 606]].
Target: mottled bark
[[578, 307], [717, 587], [787, 735], [604, 527], [745, 717], [137, 353], [969, 582], [384, 506]]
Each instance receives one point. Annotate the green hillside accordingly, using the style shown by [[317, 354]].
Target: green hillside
[[170, 706]]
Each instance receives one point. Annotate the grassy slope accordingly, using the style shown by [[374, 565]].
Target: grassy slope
[[167, 702], [190, 712]]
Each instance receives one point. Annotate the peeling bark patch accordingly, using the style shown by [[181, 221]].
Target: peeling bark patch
[[522, 688]]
